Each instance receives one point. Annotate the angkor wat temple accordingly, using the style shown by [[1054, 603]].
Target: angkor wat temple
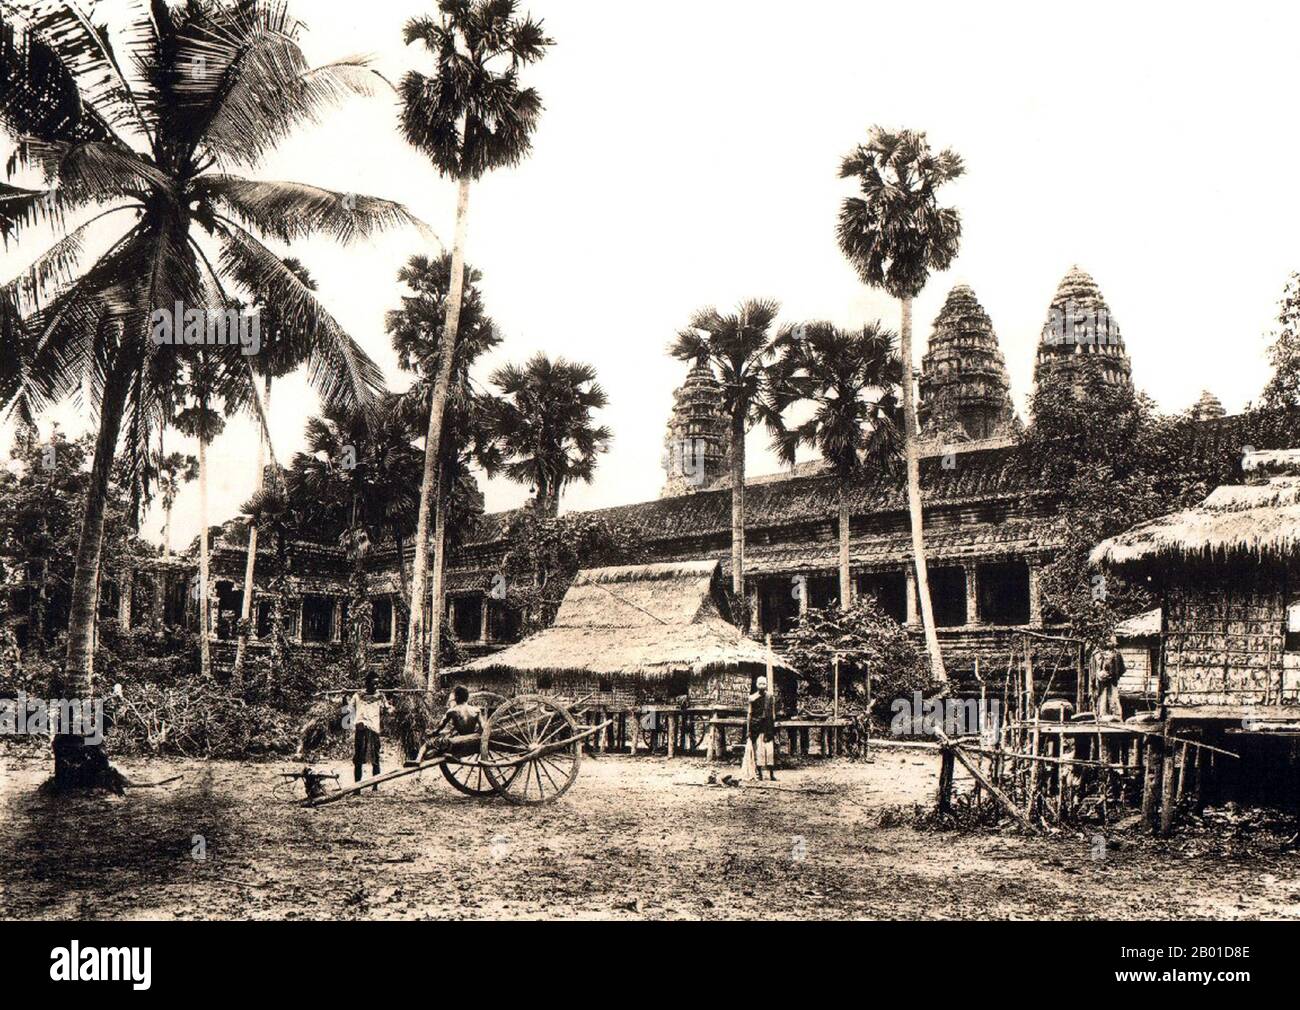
[[989, 530]]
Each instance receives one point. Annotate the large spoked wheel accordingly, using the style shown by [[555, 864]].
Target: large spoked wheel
[[531, 724], [464, 773]]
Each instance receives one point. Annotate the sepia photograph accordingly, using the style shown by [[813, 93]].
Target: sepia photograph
[[712, 466]]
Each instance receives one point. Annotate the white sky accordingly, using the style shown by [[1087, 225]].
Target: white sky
[[688, 156]]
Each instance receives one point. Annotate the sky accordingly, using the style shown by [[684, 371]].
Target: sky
[[688, 156]]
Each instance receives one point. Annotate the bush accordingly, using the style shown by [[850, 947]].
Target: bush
[[866, 641]]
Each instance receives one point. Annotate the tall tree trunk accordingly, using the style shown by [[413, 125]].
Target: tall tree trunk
[[846, 587], [205, 652], [78, 764], [914, 500], [167, 530], [737, 509], [413, 669], [438, 606], [250, 564]]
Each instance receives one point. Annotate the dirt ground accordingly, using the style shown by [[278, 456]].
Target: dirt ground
[[635, 838]]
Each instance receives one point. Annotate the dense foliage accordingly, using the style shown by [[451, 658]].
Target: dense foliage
[[868, 643]]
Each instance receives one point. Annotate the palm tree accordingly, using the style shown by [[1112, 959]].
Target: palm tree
[[469, 118], [200, 421], [216, 86], [738, 348], [895, 234], [282, 518], [359, 476], [543, 425], [417, 330], [848, 377], [174, 470], [284, 347]]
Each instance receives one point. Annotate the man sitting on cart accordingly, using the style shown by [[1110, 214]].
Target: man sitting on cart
[[462, 719]]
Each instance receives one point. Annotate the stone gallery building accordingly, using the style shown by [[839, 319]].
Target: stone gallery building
[[988, 530]]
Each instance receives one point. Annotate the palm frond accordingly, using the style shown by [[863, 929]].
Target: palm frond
[[86, 51], [341, 372], [290, 210]]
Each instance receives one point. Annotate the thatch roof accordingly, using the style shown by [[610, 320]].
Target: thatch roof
[[636, 620], [1146, 625], [1260, 520]]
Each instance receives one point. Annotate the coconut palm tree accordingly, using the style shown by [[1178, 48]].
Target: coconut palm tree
[[895, 234], [214, 86], [470, 117], [359, 475], [284, 346], [738, 348], [544, 427], [848, 377], [417, 330]]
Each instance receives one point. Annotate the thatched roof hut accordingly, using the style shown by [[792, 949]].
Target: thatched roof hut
[[636, 630], [1228, 573], [1259, 521]]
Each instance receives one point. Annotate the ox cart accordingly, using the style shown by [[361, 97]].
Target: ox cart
[[528, 752]]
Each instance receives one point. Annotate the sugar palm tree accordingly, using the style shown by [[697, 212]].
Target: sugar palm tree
[[199, 420], [215, 86], [895, 234], [359, 474], [738, 348], [470, 117], [544, 427], [173, 470], [848, 377], [284, 346], [417, 330]]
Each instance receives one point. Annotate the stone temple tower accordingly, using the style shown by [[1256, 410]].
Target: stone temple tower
[[1080, 328], [698, 437], [965, 389]]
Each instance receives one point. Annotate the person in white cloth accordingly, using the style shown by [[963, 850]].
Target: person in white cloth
[[367, 712]]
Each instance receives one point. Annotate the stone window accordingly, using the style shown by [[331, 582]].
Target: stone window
[[317, 619], [948, 596], [889, 590], [1004, 593], [381, 610]]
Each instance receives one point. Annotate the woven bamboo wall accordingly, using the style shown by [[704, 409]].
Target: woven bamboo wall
[[1226, 642]]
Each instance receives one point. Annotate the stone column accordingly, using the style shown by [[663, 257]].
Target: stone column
[[483, 620], [1035, 597], [972, 593], [336, 633], [913, 609]]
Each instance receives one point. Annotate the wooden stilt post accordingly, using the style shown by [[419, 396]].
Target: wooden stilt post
[[945, 780], [1152, 758], [1168, 795]]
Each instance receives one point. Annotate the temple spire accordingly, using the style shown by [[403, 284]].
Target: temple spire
[[698, 434], [965, 388], [1080, 329]]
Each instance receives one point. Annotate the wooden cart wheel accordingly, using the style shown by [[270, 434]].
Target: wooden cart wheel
[[519, 727], [464, 773]]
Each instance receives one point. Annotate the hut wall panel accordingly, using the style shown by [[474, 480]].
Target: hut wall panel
[[1225, 643]]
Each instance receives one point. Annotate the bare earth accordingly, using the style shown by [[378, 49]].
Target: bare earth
[[635, 838]]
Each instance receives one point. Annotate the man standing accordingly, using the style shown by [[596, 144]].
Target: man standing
[[367, 710], [762, 729], [1107, 668]]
